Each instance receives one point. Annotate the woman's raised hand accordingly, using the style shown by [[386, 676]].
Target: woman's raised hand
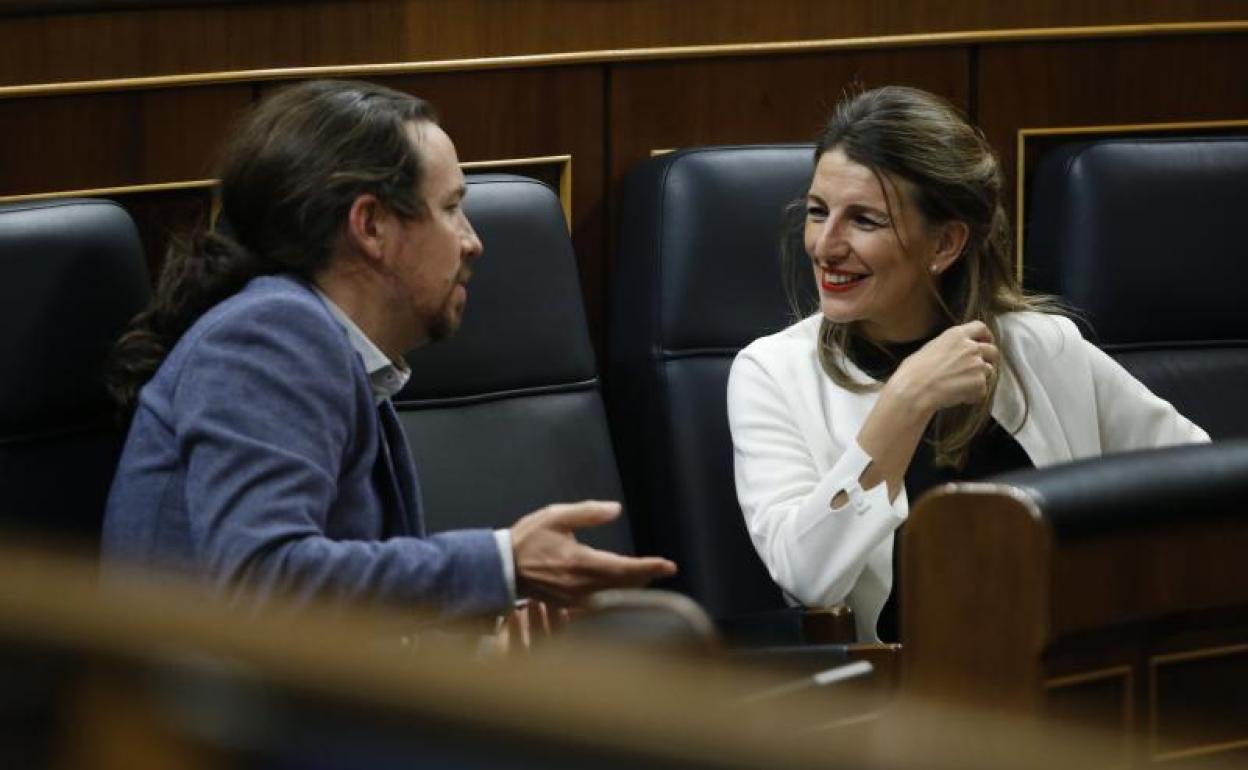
[[956, 367]]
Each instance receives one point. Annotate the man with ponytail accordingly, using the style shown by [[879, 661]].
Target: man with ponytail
[[264, 455]]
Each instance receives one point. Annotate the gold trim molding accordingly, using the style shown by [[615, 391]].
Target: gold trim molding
[[1124, 673], [565, 175], [1155, 662], [1096, 675], [827, 45], [104, 192], [1125, 129], [564, 162]]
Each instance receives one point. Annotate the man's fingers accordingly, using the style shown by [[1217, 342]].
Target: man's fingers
[[587, 513], [539, 619], [632, 570]]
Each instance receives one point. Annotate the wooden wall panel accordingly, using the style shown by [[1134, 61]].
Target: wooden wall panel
[[74, 142], [609, 113], [137, 42], [1098, 82], [165, 214]]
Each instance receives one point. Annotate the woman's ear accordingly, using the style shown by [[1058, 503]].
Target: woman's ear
[[950, 241]]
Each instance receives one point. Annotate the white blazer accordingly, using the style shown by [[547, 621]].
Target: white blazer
[[794, 437]]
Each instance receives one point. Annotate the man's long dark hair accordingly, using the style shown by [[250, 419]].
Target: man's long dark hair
[[289, 174]]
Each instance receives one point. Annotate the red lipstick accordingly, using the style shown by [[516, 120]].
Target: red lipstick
[[837, 281]]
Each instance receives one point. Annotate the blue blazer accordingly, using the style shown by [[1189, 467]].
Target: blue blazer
[[258, 460]]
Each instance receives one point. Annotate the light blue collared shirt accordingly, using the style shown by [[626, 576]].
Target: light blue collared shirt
[[387, 378]]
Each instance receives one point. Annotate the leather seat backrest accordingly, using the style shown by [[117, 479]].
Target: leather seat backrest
[[73, 276], [1144, 238], [1167, 487], [506, 416], [698, 276]]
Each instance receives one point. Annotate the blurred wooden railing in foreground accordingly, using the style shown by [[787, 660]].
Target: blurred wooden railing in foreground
[[155, 675], [1109, 593]]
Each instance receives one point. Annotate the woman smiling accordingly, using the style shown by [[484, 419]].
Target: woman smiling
[[926, 363]]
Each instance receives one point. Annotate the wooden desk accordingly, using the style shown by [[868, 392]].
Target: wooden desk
[[1141, 629]]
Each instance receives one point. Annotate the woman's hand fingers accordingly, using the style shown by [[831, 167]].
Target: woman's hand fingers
[[958, 367]]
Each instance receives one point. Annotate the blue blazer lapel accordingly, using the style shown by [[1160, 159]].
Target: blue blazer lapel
[[400, 473]]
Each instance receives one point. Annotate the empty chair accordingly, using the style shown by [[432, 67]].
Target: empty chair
[[507, 415], [698, 277], [1144, 237], [73, 276]]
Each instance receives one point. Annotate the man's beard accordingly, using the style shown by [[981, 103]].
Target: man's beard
[[447, 321], [449, 316]]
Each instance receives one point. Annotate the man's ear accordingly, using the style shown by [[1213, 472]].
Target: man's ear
[[366, 227], [952, 239]]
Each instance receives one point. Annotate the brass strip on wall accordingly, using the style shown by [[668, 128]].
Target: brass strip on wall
[[106, 192], [1096, 675], [565, 175], [1154, 662], [563, 161], [1127, 675], [971, 37]]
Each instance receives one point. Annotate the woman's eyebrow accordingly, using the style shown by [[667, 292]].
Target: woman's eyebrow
[[866, 207]]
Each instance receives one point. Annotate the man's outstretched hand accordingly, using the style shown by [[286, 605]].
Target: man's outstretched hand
[[552, 566]]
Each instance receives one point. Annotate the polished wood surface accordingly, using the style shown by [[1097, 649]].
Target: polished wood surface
[[138, 42], [150, 671], [966, 563], [1140, 631], [109, 140], [1153, 80], [162, 216], [609, 109]]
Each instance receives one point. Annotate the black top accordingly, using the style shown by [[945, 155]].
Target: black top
[[992, 452]]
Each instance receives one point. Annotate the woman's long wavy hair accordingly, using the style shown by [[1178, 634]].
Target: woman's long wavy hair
[[953, 175], [289, 174]]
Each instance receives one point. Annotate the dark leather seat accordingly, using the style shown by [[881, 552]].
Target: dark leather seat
[[74, 275], [1144, 237], [698, 276], [1172, 486], [507, 416]]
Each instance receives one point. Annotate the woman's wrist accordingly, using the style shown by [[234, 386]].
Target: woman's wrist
[[910, 403]]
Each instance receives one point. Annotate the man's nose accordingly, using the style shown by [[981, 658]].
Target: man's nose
[[473, 248]]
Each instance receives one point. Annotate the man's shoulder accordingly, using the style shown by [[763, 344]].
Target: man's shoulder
[[275, 319], [269, 308], [270, 295]]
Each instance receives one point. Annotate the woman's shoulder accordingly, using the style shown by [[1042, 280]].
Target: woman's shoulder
[[797, 337], [777, 357], [1031, 331]]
